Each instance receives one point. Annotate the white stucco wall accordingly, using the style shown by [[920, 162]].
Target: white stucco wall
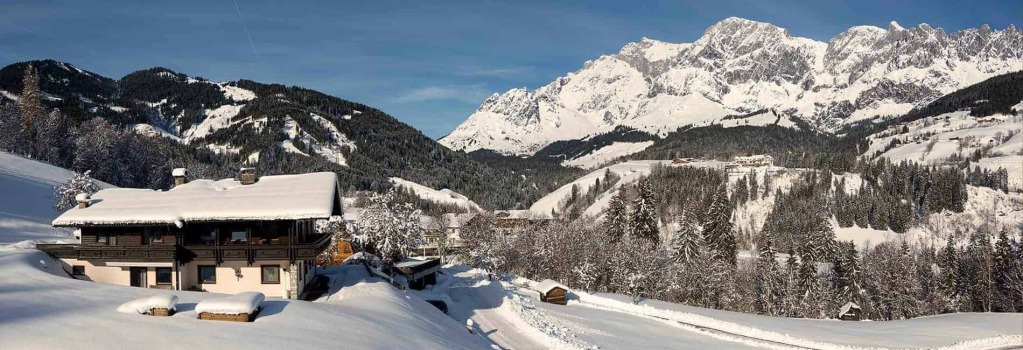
[[228, 281], [101, 272], [237, 276]]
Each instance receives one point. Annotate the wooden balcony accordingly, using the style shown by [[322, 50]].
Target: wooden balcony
[[219, 253]]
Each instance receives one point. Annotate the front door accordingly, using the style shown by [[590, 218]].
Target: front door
[[138, 277]]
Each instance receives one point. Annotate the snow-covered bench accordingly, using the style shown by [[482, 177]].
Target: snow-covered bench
[[157, 305], [242, 307]]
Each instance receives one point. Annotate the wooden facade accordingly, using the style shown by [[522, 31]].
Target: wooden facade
[[554, 296], [228, 317], [229, 241]]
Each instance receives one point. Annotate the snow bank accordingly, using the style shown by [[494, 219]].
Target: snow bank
[[241, 303], [144, 305]]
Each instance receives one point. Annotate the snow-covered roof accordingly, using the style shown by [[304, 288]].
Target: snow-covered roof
[[848, 306], [281, 197], [548, 285], [241, 303]]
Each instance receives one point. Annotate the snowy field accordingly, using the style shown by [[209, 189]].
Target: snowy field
[[41, 308]]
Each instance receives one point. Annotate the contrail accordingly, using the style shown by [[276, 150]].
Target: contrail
[[242, 19]]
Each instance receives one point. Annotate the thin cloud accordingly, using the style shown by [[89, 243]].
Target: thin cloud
[[475, 93], [500, 72]]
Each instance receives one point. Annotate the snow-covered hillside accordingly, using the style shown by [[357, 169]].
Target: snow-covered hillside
[[26, 208], [933, 140], [739, 66], [607, 153], [443, 196]]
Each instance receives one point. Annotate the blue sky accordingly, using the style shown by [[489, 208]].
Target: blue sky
[[428, 63]]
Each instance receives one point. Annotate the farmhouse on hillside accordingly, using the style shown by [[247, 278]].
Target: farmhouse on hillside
[[228, 236]]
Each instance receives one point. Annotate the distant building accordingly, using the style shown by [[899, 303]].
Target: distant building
[[444, 234], [753, 161], [511, 222]]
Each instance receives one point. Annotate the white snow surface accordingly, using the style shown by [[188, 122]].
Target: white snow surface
[[241, 303], [444, 196], [278, 197], [144, 305], [27, 208], [44, 309], [607, 153]]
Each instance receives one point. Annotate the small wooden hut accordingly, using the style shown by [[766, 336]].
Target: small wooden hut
[[850, 312], [552, 292]]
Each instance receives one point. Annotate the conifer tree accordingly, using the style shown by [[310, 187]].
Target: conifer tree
[[616, 223], [948, 275], [644, 216], [717, 228], [30, 108], [768, 278], [685, 245], [1005, 267]]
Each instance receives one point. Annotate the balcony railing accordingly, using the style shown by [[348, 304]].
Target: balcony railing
[[186, 253]]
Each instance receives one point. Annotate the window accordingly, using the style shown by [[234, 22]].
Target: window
[[107, 239], [157, 237], [78, 270], [238, 236], [163, 275], [207, 274], [271, 274]]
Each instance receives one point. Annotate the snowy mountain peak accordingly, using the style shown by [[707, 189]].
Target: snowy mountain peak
[[739, 66]]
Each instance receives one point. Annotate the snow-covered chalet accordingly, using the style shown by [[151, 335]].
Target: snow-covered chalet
[[249, 233]]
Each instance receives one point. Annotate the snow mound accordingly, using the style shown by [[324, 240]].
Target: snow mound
[[144, 305], [241, 303]]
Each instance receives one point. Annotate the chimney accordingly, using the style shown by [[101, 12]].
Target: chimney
[[180, 176], [83, 200], [247, 176]]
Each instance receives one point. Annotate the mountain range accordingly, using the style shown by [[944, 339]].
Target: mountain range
[[215, 127], [737, 68]]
